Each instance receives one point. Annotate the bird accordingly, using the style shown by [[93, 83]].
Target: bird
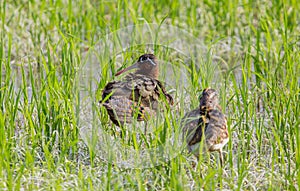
[[206, 123], [137, 96]]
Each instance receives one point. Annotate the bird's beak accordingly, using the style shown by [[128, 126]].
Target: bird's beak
[[126, 69]]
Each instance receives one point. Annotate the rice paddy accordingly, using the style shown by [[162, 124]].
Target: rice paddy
[[57, 56]]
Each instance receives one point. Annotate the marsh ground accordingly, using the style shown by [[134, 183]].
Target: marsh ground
[[248, 50]]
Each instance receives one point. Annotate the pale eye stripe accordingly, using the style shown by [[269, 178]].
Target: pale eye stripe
[[153, 63]]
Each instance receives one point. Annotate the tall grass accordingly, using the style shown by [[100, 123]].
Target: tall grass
[[253, 45]]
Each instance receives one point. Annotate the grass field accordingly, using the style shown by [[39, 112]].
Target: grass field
[[248, 50]]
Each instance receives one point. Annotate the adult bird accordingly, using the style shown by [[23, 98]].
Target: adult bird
[[206, 123], [137, 96]]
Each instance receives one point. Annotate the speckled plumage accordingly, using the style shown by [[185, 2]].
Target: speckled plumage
[[206, 122], [137, 95]]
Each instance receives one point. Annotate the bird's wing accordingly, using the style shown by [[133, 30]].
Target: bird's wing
[[136, 94], [121, 110], [149, 92], [190, 125], [138, 88], [200, 129], [216, 132]]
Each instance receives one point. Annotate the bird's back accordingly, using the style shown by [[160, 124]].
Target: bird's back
[[191, 126], [211, 126], [136, 93], [216, 133]]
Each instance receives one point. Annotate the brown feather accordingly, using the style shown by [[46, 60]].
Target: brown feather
[[135, 91], [206, 122]]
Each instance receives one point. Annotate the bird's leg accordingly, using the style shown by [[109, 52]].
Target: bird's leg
[[195, 163], [221, 158], [221, 169], [145, 130]]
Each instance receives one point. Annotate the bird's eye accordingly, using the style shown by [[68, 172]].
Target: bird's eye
[[142, 59]]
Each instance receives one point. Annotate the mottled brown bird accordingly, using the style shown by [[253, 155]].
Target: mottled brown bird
[[138, 95], [206, 123]]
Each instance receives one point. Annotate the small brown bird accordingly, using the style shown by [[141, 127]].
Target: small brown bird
[[138, 95], [206, 123]]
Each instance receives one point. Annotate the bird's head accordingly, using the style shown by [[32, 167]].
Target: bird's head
[[209, 99], [146, 65]]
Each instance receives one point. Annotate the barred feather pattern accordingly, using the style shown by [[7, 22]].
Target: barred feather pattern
[[212, 127], [136, 94], [206, 123]]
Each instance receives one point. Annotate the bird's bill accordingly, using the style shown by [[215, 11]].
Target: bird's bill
[[126, 69]]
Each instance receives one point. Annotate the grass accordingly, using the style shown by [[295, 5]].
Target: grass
[[248, 50]]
